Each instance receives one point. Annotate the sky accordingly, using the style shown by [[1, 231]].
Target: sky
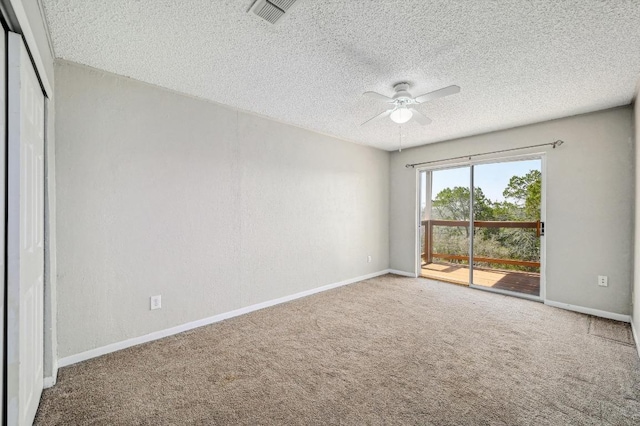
[[491, 178]]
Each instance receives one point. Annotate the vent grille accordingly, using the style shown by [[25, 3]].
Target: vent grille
[[271, 10], [268, 12], [282, 4]]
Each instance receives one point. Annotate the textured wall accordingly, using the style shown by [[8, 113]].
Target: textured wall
[[160, 193], [589, 203]]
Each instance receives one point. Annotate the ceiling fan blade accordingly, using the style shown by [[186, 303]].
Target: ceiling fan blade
[[381, 115], [440, 93], [378, 96], [420, 117]]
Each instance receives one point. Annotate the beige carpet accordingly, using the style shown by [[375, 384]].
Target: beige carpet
[[389, 350]]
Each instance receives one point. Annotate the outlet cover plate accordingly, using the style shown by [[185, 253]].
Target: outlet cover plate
[[156, 302]]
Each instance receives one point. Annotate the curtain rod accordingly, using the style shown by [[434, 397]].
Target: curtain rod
[[553, 144]]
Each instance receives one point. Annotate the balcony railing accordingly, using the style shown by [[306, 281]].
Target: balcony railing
[[428, 255]]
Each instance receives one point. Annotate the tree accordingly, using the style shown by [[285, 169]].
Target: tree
[[522, 203], [453, 204], [526, 193]]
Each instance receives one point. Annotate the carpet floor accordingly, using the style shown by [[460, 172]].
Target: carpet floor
[[388, 350]]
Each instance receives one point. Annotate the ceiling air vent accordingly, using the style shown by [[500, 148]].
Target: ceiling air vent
[[282, 4], [271, 10]]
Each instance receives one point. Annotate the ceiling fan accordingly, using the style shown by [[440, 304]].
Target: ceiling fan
[[402, 104]]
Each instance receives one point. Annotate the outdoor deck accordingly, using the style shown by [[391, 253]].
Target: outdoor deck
[[521, 282]]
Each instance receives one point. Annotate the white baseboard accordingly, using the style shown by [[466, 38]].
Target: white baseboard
[[635, 337], [589, 311], [403, 273], [49, 382], [83, 356]]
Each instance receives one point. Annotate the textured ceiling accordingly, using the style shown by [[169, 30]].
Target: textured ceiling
[[517, 62]]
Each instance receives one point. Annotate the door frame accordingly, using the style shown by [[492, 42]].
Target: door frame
[[543, 215], [3, 218]]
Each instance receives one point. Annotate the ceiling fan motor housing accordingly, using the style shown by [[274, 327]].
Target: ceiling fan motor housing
[[401, 92]]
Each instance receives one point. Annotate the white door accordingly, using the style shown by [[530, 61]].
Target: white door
[[25, 248]]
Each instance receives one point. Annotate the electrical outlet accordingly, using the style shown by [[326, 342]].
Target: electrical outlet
[[156, 302], [603, 281], [368, 259]]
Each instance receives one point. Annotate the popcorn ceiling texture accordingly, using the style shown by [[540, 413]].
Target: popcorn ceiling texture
[[517, 62]]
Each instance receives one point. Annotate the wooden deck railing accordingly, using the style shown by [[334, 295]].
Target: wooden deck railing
[[428, 253]]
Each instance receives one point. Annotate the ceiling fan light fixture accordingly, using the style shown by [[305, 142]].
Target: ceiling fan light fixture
[[401, 107], [401, 115]]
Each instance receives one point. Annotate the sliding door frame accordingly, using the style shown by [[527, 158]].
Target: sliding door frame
[[471, 163]]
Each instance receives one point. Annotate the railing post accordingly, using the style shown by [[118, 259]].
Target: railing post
[[425, 242], [428, 241]]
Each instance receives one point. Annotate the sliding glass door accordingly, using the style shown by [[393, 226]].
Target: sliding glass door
[[507, 226], [501, 248], [446, 218]]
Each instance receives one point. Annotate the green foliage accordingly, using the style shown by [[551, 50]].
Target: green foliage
[[453, 204], [523, 197], [525, 191]]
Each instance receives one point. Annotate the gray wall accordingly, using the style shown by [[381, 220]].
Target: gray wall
[[589, 203], [215, 210]]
